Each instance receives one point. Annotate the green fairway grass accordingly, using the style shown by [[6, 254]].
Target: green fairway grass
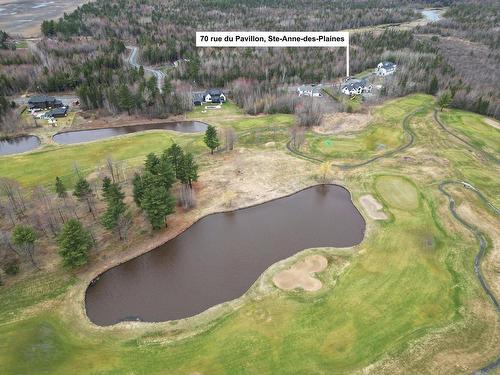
[[42, 166], [474, 127], [384, 133], [398, 192]]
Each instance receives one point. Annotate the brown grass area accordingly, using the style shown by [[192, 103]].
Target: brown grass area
[[342, 123]]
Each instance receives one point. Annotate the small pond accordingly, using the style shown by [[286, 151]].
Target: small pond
[[78, 136], [18, 144], [219, 257]]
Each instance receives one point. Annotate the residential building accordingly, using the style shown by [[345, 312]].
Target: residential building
[[385, 68], [356, 87], [43, 102], [215, 96], [310, 90]]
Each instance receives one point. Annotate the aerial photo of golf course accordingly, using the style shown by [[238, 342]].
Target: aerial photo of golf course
[[171, 208]]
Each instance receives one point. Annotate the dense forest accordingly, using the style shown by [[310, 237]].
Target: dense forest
[[85, 50]]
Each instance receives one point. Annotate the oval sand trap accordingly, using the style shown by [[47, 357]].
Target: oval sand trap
[[300, 274], [373, 207]]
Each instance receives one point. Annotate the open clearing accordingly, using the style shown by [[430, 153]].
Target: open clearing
[[408, 300], [340, 123]]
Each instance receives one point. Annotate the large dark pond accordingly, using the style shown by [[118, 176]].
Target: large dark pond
[[18, 144], [219, 257], [78, 136]]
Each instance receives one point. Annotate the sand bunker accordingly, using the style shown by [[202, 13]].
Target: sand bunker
[[300, 274], [341, 123], [492, 122], [373, 207]]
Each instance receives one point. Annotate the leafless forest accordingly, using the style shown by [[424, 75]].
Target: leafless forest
[[85, 51]]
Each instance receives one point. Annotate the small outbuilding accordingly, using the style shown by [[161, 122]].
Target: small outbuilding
[[57, 112]]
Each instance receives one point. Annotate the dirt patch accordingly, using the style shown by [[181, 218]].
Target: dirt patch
[[343, 123], [492, 122], [300, 274], [373, 207]]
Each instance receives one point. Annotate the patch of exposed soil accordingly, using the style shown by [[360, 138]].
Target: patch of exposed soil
[[373, 207], [300, 274], [343, 123]]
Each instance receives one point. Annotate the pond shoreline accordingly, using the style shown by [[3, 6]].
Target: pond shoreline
[[152, 245]]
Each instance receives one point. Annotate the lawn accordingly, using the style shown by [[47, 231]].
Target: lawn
[[408, 297], [42, 166]]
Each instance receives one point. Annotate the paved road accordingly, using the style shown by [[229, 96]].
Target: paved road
[[132, 60]]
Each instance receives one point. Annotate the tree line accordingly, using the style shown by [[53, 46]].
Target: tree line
[[73, 225]]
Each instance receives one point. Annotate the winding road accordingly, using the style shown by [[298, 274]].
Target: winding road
[[132, 60]]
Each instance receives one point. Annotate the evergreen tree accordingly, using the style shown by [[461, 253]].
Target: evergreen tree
[[151, 163], [157, 201], [74, 244], [166, 172], [188, 170], [60, 188], [83, 191], [444, 100], [211, 139], [167, 86], [126, 99], [115, 209], [24, 237], [174, 154], [106, 185], [433, 86], [138, 189]]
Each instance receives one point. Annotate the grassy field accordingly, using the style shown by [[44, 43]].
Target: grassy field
[[474, 127], [407, 303], [42, 166], [384, 133]]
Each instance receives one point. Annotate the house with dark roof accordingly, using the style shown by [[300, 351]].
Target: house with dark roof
[[198, 98], [356, 87], [215, 96], [43, 102], [57, 112], [385, 68]]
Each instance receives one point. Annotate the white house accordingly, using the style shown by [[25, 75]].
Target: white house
[[310, 90], [356, 87], [385, 68], [215, 96]]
